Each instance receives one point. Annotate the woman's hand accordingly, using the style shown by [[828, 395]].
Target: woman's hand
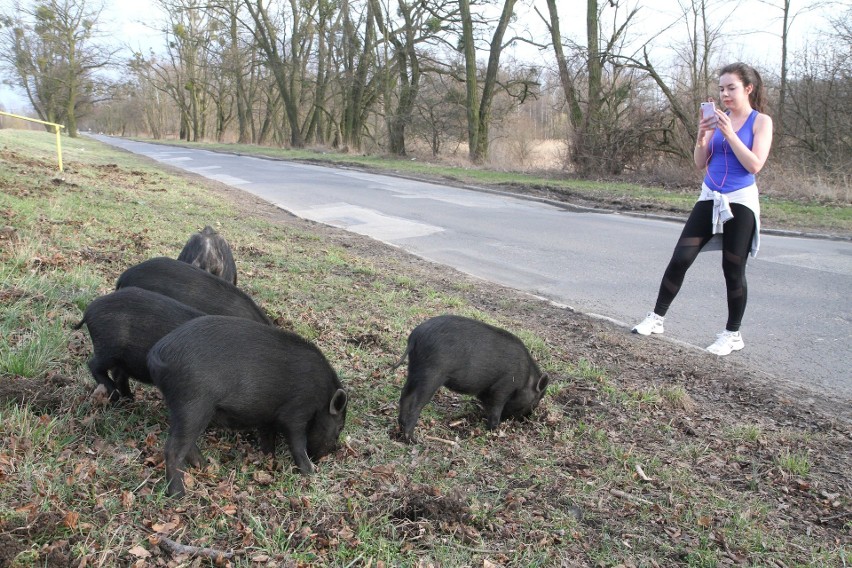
[[706, 125], [723, 123]]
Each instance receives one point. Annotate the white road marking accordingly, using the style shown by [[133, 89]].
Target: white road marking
[[462, 200], [364, 221], [225, 178], [204, 169], [176, 159]]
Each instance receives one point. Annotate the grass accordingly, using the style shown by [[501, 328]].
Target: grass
[[81, 482], [791, 212], [794, 463]]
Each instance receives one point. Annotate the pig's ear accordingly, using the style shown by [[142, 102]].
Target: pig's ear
[[543, 381], [338, 402]]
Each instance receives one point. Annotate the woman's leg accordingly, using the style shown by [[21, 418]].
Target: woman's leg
[[696, 232], [736, 243]]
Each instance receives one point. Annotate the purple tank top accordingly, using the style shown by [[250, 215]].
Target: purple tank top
[[725, 173]]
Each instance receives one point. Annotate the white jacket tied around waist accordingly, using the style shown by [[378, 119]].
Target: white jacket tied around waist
[[722, 213]]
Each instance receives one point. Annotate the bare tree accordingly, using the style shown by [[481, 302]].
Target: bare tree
[[788, 16], [439, 115], [691, 80], [479, 103], [566, 77], [817, 119], [359, 75], [125, 115], [51, 52], [406, 63], [414, 24], [237, 66], [285, 56], [184, 72], [326, 25], [602, 136]]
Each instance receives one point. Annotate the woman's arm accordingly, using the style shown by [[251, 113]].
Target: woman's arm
[[754, 159], [706, 126]]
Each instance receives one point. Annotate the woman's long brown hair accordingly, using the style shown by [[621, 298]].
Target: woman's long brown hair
[[749, 76]]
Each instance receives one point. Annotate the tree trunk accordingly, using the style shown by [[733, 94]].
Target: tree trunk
[[480, 150], [243, 108], [782, 92], [471, 82], [586, 139], [357, 96], [408, 71], [316, 126], [575, 114], [267, 38]]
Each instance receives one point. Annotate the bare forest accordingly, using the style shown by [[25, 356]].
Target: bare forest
[[437, 79]]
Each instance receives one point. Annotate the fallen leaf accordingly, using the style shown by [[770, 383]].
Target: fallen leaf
[[127, 500], [346, 533], [263, 477], [26, 509], [382, 469], [71, 520], [165, 528], [139, 552]]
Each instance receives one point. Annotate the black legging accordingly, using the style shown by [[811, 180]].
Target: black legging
[[736, 243]]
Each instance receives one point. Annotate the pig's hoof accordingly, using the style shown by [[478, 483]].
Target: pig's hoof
[[100, 391], [400, 436]]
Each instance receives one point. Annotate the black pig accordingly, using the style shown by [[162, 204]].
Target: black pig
[[209, 251], [469, 357], [124, 326], [241, 374], [192, 286]]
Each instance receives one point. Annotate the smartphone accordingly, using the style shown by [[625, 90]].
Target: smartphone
[[708, 110]]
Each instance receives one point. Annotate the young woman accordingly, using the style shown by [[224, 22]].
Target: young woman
[[732, 146]]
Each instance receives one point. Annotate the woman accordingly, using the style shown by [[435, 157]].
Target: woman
[[732, 146]]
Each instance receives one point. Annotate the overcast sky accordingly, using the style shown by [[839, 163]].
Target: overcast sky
[[754, 38]]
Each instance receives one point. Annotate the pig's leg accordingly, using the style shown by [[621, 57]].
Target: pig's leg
[[122, 382], [493, 412], [187, 423], [193, 456], [417, 392], [100, 371], [267, 439], [493, 403], [297, 440]]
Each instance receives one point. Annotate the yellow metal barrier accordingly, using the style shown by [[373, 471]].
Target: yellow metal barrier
[[55, 126]]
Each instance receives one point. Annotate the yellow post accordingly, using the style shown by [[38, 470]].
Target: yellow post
[[58, 146], [55, 126]]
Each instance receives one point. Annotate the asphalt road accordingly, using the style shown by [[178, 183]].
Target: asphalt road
[[798, 324]]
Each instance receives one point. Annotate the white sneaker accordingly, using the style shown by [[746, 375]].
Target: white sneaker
[[726, 342], [651, 324]]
